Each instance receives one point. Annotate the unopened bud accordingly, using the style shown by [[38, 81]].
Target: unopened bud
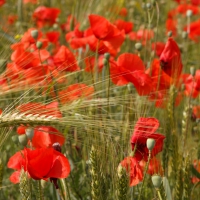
[[29, 133], [15, 139], [169, 34], [106, 56], [189, 13], [184, 34], [148, 6], [39, 44], [156, 180], [138, 46], [34, 34], [55, 26], [23, 139], [150, 143]]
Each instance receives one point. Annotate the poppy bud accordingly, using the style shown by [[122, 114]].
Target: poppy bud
[[39, 44], [156, 180], [29, 133], [170, 34], [148, 6], [15, 138], [55, 26], [23, 139], [34, 34], [184, 34], [105, 61], [138, 46], [106, 56], [192, 71], [189, 13], [57, 147], [150, 143]]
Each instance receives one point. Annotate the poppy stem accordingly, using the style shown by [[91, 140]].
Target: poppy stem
[[40, 192], [159, 195], [145, 172], [60, 194]]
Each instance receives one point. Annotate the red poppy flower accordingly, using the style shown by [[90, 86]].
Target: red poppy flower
[[144, 34], [77, 38], [145, 128], [108, 34], [171, 25], [170, 59], [191, 87], [65, 60], [197, 79], [158, 47], [76, 91], [196, 164], [154, 167], [41, 109], [2, 2], [53, 36], [45, 16], [182, 9], [141, 35], [123, 25], [28, 43], [194, 30], [14, 178], [133, 169], [30, 1], [130, 68], [12, 19], [24, 58], [44, 136], [90, 63], [123, 12], [195, 2], [160, 79], [69, 24], [196, 112], [40, 163]]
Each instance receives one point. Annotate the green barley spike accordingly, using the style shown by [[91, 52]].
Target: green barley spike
[[122, 186], [95, 184], [174, 156], [187, 181], [169, 128], [179, 184], [185, 123], [39, 194], [1, 173], [24, 186]]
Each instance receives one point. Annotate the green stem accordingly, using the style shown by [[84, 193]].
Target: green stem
[[159, 195], [40, 190], [145, 172]]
